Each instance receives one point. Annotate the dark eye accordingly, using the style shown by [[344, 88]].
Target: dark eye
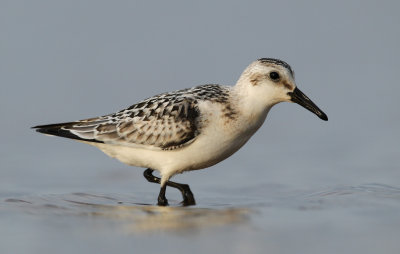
[[274, 76]]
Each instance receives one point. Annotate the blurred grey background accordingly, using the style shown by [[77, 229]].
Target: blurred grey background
[[69, 60]]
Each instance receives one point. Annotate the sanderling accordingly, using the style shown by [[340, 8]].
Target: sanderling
[[191, 128]]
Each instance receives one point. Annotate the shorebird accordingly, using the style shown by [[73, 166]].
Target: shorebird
[[192, 128]]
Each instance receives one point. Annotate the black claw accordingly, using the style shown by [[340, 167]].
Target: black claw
[[162, 201], [188, 198], [188, 202]]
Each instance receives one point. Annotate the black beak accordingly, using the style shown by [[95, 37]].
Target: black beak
[[300, 98]]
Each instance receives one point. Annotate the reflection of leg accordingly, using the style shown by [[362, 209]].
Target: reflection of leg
[[187, 194]]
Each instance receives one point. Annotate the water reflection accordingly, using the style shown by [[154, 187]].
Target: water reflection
[[128, 216], [153, 218], [124, 214]]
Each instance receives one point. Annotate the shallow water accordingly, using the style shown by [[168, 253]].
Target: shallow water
[[356, 219]]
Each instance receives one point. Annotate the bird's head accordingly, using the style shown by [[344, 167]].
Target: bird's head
[[269, 81]]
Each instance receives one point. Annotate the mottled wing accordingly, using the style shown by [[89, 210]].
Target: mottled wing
[[161, 122]]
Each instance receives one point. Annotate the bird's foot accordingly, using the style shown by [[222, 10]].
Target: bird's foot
[[162, 201], [187, 195]]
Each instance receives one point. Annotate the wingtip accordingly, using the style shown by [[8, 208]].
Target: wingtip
[[58, 130], [36, 127]]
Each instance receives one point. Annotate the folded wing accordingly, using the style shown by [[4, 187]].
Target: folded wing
[[161, 122]]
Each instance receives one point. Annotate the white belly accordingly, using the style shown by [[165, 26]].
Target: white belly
[[216, 142], [205, 151]]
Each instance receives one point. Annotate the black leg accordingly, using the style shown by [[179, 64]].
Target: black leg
[[187, 194], [162, 200], [148, 174]]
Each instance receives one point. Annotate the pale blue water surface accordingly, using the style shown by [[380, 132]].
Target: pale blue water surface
[[300, 185]]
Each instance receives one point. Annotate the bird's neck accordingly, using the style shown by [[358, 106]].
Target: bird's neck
[[252, 109]]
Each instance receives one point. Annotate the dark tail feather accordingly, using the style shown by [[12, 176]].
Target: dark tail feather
[[61, 130]]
